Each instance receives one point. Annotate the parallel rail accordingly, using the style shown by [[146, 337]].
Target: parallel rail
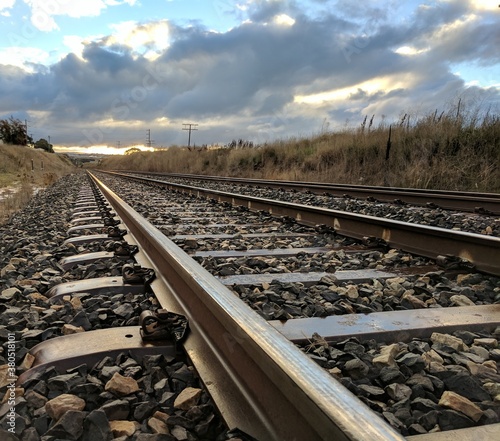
[[480, 250], [450, 200]]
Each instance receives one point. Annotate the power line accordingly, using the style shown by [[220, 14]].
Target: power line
[[149, 141], [191, 127]]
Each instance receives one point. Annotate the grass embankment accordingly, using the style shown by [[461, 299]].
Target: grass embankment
[[22, 171], [453, 151]]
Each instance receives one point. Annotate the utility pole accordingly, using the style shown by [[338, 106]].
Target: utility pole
[[190, 127], [26, 131], [149, 141]]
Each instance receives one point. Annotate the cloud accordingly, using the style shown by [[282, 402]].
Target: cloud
[[75, 43], [118, 3], [43, 12], [18, 56], [149, 39], [6, 4], [282, 71]]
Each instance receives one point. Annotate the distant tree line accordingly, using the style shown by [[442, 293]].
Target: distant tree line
[[240, 144], [132, 150], [13, 131], [43, 144]]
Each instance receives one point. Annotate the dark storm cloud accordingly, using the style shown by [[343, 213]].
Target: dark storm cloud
[[254, 71], [202, 73], [255, 58]]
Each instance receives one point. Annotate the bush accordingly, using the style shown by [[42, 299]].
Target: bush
[[44, 145], [13, 131]]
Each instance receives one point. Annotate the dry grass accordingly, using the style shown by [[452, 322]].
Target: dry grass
[[21, 174], [455, 151], [14, 198]]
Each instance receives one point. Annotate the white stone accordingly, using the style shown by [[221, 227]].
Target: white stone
[[61, 404], [461, 404], [121, 386], [187, 398], [461, 300], [8, 293], [449, 340]]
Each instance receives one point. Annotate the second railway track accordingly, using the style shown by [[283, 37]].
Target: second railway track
[[479, 202]]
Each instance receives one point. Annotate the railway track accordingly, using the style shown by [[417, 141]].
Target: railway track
[[479, 202], [432, 215], [271, 370], [419, 239], [180, 222]]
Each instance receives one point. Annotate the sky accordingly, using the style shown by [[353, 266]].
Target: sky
[[107, 75]]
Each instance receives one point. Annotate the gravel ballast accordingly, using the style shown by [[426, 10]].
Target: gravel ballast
[[442, 383], [445, 382], [120, 397]]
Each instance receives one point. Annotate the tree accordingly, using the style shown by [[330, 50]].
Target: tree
[[13, 131], [45, 145], [132, 150]]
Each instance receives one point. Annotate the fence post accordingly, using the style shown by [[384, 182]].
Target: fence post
[[388, 147], [387, 153]]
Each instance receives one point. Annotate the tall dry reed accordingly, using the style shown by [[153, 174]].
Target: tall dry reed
[[456, 150]]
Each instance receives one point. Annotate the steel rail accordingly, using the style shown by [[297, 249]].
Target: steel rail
[[481, 250], [261, 382], [450, 200]]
